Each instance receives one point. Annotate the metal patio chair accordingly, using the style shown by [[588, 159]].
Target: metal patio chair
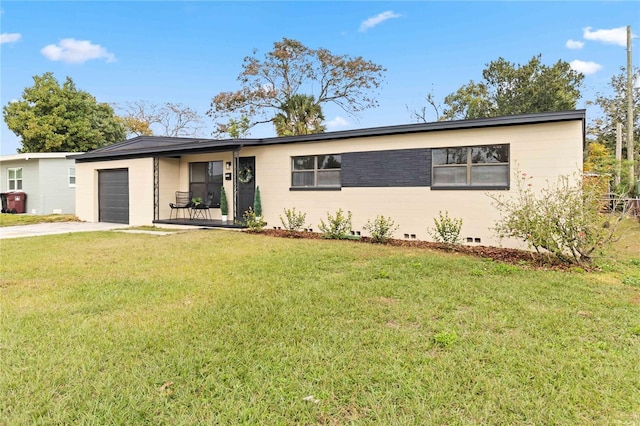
[[183, 202]]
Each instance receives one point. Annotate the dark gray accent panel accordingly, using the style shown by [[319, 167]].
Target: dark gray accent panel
[[113, 195], [399, 167]]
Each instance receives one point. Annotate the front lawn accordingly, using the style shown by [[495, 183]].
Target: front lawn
[[7, 219], [215, 327]]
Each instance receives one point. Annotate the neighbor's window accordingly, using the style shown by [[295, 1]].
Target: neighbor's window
[[205, 181], [472, 166], [72, 177], [15, 179], [316, 171]]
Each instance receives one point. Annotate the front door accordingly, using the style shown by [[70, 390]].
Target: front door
[[246, 178]]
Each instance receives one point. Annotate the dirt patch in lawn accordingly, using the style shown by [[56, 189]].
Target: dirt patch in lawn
[[506, 255]]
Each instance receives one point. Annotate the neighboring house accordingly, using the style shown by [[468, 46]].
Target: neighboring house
[[48, 179], [408, 172]]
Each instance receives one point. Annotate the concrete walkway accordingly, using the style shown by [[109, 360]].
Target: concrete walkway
[[55, 228]]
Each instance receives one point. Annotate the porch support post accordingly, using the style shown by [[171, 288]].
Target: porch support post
[[236, 163], [156, 188]]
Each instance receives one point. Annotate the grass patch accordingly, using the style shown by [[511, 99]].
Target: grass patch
[[7, 219], [214, 327]]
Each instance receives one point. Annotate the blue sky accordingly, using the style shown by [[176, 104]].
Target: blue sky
[[187, 52]]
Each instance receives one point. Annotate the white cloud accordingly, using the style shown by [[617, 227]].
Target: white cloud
[[573, 44], [585, 67], [613, 36], [9, 37], [378, 19], [74, 51], [337, 123]]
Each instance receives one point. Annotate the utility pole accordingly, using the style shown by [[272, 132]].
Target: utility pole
[[632, 175]]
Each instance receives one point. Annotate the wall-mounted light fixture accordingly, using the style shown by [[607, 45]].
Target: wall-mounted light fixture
[[228, 165]]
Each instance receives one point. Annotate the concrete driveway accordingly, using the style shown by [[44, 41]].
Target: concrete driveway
[[55, 228]]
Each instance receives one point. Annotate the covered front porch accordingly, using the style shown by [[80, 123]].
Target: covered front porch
[[203, 223]]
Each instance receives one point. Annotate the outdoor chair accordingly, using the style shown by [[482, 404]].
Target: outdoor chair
[[201, 210], [183, 202]]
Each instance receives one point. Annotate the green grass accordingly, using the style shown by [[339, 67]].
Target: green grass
[[7, 219], [214, 327]]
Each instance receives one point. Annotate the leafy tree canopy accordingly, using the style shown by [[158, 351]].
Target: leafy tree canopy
[[54, 118], [508, 88], [301, 115], [602, 129], [268, 86]]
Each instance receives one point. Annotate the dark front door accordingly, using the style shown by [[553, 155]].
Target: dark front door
[[113, 196], [246, 178]]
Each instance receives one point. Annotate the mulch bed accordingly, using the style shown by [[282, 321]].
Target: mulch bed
[[506, 255]]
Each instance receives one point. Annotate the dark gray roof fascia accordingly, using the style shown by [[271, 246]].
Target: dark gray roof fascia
[[164, 146]]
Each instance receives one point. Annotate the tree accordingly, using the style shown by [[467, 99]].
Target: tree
[[301, 115], [420, 115], [614, 110], [509, 88], [169, 119], [51, 118], [268, 85]]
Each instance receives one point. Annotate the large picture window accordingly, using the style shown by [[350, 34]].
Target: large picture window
[[471, 167], [205, 182], [14, 178], [316, 171]]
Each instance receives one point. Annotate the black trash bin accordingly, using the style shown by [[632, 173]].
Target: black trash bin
[[3, 197]]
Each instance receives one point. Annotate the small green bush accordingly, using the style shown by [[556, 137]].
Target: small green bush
[[445, 339], [257, 202], [292, 220], [253, 221], [381, 229], [447, 229], [224, 205], [337, 227]]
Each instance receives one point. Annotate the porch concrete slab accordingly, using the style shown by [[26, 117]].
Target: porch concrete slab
[[39, 229]]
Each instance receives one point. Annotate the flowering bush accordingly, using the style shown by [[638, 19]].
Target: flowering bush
[[381, 229], [292, 220], [253, 221], [447, 229], [562, 220], [337, 227]]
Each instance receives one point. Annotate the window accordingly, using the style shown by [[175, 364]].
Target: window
[[72, 177], [474, 166], [316, 171], [205, 181], [15, 179]]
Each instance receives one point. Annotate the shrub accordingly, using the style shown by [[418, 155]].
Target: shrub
[[224, 206], [381, 229], [293, 221], [562, 221], [447, 229], [257, 202], [337, 227], [253, 221]]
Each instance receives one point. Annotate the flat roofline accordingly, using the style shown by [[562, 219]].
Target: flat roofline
[[37, 156], [185, 146]]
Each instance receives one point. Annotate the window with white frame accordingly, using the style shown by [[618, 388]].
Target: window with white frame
[[316, 171], [72, 177], [14, 178], [471, 167]]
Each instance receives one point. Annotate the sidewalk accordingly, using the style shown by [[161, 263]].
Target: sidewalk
[[55, 228]]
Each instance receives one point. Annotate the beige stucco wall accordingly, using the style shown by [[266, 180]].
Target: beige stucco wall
[[545, 151], [140, 189]]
